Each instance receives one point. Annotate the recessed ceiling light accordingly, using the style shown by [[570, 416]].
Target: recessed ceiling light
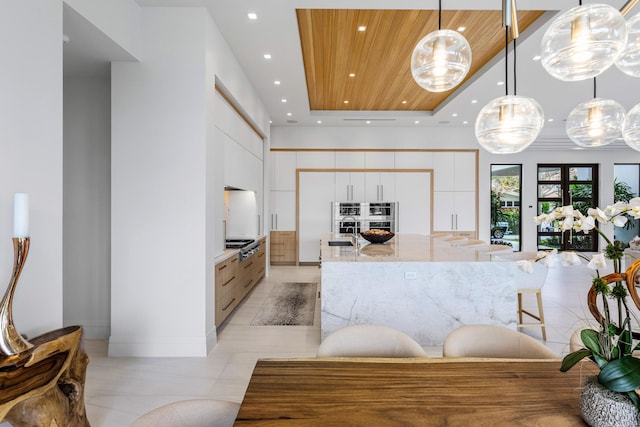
[[283, 100], [500, 83], [362, 28], [461, 29], [277, 82], [404, 102], [537, 58], [417, 122], [465, 122], [352, 74], [267, 56], [252, 15], [368, 122], [289, 114], [455, 114], [474, 101], [549, 120], [270, 121], [319, 122], [346, 102]]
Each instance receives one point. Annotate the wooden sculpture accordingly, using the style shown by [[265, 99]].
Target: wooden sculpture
[[44, 385]]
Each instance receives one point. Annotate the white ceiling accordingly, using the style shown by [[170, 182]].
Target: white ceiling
[[276, 32]]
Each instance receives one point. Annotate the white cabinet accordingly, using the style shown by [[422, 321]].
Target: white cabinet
[[414, 160], [454, 211], [349, 186], [350, 160], [316, 159], [454, 171], [413, 193], [380, 187], [283, 170], [283, 210], [379, 160], [315, 205]]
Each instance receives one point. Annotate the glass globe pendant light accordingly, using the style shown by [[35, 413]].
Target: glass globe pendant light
[[596, 122], [441, 60], [510, 123], [631, 128], [629, 60], [583, 42]]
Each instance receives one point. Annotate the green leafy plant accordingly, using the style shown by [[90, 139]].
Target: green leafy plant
[[611, 347]]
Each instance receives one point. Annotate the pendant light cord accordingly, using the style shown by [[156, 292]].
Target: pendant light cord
[[506, 60], [515, 70], [439, 14], [594, 88]]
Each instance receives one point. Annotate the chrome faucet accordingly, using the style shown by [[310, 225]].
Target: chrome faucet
[[354, 229]]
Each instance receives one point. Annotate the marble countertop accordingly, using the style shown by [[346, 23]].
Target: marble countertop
[[401, 248]]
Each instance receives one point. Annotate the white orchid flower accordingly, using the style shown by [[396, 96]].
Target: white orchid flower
[[525, 265], [548, 259], [597, 262], [540, 219], [619, 221], [616, 209], [569, 258], [584, 224], [598, 214], [634, 207], [567, 223], [566, 211]]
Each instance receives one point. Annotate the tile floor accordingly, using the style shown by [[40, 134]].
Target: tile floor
[[118, 390]]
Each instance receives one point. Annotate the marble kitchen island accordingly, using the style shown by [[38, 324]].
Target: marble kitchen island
[[417, 284]]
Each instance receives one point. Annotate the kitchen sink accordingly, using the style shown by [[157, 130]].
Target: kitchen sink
[[340, 243]]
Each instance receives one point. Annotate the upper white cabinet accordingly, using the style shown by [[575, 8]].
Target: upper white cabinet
[[454, 171], [350, 160], [316, 159], [379, 160], [349, 186], [283, 170], [380, 187], [414, 160]]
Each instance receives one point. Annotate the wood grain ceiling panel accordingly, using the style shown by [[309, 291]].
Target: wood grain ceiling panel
[[333, 48]]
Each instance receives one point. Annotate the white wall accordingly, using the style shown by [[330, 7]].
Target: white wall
[[119, 19], [159, 126], [87, 200], [31, 155]]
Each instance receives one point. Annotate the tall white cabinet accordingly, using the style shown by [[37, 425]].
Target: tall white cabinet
[[413, 194], [454, 194], [314, 206]]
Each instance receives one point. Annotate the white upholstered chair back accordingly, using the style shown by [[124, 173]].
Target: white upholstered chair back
[[369, 341], [494, 341]]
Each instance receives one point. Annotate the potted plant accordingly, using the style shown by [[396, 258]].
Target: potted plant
[[611, 346]]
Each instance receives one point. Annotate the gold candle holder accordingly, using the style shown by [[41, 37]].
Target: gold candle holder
[[11, 342]]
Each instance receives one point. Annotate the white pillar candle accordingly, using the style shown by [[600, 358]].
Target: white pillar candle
[[21, 215]]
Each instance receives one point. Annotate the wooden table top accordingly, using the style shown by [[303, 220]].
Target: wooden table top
[[413, 392]]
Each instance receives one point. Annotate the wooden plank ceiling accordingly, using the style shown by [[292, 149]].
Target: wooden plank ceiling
[[333, 48]]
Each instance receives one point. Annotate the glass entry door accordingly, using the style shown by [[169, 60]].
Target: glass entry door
[[562, 185]]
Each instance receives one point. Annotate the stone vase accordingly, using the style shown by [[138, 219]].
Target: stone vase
[[601, 407]]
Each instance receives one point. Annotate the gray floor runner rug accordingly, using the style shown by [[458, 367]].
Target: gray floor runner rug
[[288, 304]]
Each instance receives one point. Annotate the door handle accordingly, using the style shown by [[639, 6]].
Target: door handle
[[381, 192]]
